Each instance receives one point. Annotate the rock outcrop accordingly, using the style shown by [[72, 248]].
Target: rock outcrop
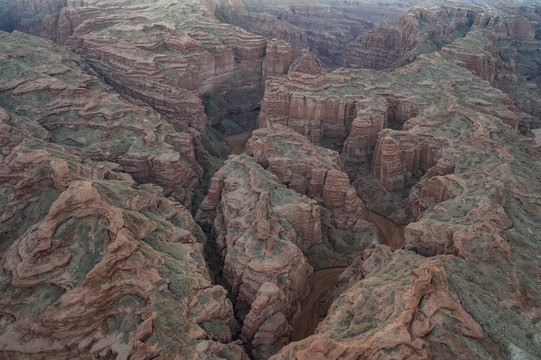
[[326, 28], [101, 258], [278, 58], [316, 172], [91, 263], [166, 55], [261, 230], [452, 148], [424, 28], [358, 105], [496, 43], [46, 84], [308, 63], [425, 318]]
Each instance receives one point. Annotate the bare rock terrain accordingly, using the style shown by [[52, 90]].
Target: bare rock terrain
[[391, 204]]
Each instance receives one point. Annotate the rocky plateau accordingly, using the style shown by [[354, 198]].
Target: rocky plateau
[[275, 179]]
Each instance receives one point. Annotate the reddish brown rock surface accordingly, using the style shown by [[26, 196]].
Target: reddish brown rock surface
[[308, 63], [278, 58], [261, 231], [425, 318], [95, 261], [324, 27], [165, 54], [497, 43], [453, 150], [91, 262], [46, 84], [316, 172]]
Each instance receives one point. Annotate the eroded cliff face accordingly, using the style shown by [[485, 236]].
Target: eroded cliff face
[[165, 54], [316, 172], [496, 43], [100, 256], [46, 84], [93, 264], [261, 230], [459, 220], [326, 28]]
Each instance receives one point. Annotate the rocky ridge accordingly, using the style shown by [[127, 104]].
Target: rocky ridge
[[497, 43], [48, 85], [164, 54], [111, 262], [261, 230], [325, 27], [437, 116], [93, 264], [316, 172]]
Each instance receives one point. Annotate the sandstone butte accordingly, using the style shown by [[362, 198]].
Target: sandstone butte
[[127, 233]]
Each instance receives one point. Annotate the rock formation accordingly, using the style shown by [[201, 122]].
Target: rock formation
[[261, 231], [463, 168], [93, 264], [426, 317], [316, 172], [163, 54], [423, 29], [278, 58], [488, 40], [103, 142], [325, 27], [96, 268], [45, 83], [308, 63]]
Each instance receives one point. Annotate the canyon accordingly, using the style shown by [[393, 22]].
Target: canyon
[[277, 179]]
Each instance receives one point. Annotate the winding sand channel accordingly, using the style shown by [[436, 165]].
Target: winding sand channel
[[392, 235], [322, 282], [238, 142]]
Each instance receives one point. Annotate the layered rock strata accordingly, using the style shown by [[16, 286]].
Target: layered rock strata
[[316, 172], [358, 105], [46, 84], [163, 54], [278, 58], [497, 43], [325, 27], [93, 264], [473, 219], [308, 63], [261, 230]]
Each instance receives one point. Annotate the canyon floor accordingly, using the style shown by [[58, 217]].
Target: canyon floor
[[294, 179]]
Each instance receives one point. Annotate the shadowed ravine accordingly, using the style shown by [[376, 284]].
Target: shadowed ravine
[[322, 282], [391, 234], [238, 141]]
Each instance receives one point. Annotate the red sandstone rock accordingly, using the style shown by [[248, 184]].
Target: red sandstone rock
[[95, 274], [399, 155], [165, 57], [278, 58], [314, 171], [424, 308], [79, 111], [308, 63], [263, 261]]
